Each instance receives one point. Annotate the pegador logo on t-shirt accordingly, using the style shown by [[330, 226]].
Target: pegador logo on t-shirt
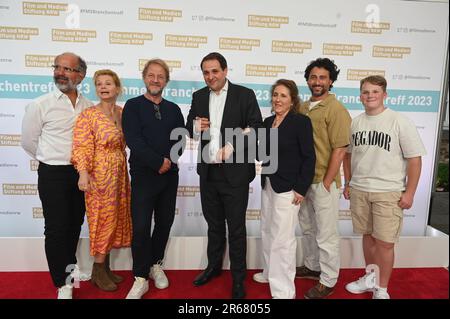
[[372, 138]]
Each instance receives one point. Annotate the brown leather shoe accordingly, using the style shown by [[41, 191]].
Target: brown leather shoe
[[319, 291], [304, 272], [101, 279], [114, 277]]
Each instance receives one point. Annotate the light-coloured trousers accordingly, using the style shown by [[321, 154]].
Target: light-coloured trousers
[[318, 217], [278, 223]]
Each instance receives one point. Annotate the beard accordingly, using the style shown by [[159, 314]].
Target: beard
[[317, 93], [155, 92], [64, 87]]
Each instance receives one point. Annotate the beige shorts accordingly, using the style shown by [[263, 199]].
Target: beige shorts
[[376, 214]]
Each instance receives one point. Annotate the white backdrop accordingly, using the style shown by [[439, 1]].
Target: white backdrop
[[264, 40]]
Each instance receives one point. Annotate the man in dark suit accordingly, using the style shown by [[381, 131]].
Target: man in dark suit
[[217, 109], [147, 122]]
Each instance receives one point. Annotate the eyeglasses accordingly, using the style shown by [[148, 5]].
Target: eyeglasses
[[157, 111], [66, 69]]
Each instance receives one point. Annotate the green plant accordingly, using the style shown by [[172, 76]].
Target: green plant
[[442, 177]]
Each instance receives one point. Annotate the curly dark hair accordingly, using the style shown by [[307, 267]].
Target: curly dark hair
[[326, 64]]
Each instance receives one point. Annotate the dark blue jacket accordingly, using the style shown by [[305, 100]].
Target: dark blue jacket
[[147, 137], [296, 155]]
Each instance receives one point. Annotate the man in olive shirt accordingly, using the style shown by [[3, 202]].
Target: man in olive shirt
[[319, 211]]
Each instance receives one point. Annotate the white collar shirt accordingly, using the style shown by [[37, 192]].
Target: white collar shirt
[[47, 127], [216, 108]]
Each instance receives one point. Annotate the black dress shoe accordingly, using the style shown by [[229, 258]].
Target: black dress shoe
[[206, 275], [238, 291]]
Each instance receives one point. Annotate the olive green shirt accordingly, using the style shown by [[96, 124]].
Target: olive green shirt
[[331, 129]]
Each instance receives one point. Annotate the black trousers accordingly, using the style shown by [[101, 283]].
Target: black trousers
[[223, 203], [147, 196], [63, 207]]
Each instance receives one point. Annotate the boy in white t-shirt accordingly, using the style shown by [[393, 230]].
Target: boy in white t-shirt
[[382, 169]]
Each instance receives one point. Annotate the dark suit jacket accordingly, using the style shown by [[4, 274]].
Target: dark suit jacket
[[296, 155], [149, 138], [241, 111]]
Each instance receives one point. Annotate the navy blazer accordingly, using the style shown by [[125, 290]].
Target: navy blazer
[[296, 155], [241, 111], [147, 137]]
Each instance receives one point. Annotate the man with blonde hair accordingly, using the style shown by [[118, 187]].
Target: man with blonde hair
[[382, 169], [147, 122]]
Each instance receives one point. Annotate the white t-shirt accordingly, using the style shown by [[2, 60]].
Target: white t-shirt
[[380, 146]]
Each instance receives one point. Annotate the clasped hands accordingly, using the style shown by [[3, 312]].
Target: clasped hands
[[202, 124]]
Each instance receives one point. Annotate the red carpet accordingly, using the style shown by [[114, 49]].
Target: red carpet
[[411, 283]]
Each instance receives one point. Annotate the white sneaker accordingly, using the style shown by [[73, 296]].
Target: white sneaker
[[158, 275], [259, 277], [140, 287], [363, 284], [78, 275], [380, 294], [65, 292]]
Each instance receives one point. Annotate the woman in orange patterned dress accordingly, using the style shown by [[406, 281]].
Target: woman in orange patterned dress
[[99, 156]]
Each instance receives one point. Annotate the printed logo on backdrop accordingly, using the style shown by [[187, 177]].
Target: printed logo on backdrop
[[253, 214], [102, 12], [105, 63], [359, 74], [185, 41], [410, 77], [8, 165], [38, 212], [10, 140], [10, 213], [264, 70], [172, 64], [133, 38], [194, 214], [7, 115], [161, 15], [43, 8], [391, 52], [238, 44], [316, 24], [290, 46], [34, 165], [188, 191], [20, 189], [369, 28], [345, 214], [73, 35], [259, 21], [203, 18], [39, 61], [414, 30], [341, 49], [17, 33]]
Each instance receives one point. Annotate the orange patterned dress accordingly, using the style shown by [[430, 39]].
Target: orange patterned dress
[[99, 147]]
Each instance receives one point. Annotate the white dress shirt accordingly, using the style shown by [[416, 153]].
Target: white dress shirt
[[216, 108], [47, 127]]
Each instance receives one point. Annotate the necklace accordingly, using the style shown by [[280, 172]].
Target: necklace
[[109, 115], [277, 122]]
